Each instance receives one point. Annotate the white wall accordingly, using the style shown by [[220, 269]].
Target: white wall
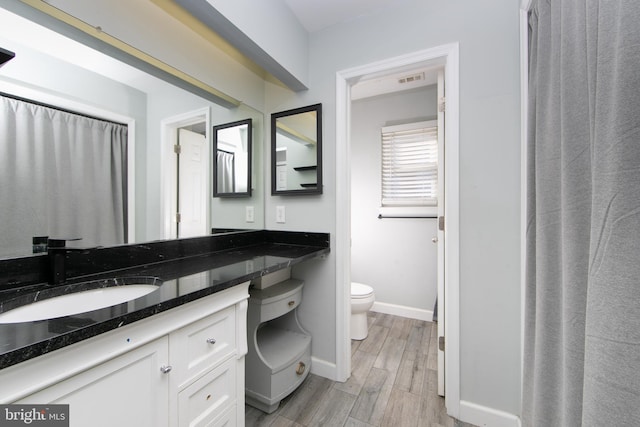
[[393, 255]]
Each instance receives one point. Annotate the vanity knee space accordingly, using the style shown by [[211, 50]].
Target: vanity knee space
[[279, 354]]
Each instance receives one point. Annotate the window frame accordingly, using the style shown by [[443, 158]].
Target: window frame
[[408, 210]]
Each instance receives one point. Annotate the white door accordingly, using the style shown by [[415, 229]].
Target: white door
[[192, 184], [441, 236]]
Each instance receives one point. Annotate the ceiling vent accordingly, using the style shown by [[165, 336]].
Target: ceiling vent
[[412, 78]]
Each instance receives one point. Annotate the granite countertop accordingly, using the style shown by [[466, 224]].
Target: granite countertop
[[182, 279]]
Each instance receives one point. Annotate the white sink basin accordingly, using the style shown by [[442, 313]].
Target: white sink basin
[[75, 303]]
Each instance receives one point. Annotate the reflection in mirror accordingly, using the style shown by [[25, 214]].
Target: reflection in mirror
[[296, 151], [232, 159], [82, 80], [67, 175]]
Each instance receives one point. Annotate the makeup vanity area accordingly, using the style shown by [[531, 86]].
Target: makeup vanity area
[[175, 356], [213, 306]]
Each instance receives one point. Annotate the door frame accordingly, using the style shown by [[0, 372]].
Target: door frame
[[168, 170], [525, 8], [447, 55]]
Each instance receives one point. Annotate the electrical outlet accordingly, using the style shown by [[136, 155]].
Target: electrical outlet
[[280, 214], [249, 214]]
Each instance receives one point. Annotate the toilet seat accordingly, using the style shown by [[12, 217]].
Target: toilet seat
[[360, 290]]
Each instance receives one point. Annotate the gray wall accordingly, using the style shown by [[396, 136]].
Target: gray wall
[[489, 174], [178, 40], [394, 255], [489, 157], [225, 213]]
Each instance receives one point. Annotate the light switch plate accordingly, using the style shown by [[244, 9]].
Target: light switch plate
[[280, 214], [249, 214]]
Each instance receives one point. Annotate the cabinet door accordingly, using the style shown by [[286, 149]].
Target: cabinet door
[[129, 390]]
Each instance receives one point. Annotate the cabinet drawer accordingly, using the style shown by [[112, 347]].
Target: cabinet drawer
[[276, 300], [288, 379], [206, 401], [228, 419], [203, 344]]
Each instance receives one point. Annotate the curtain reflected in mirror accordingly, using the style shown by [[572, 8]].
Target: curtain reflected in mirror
[[232, 166], [63, 175], [226, 172]]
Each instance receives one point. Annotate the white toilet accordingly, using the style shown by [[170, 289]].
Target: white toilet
[[362, 298]]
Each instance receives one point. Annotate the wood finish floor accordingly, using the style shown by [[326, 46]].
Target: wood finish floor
[[393, 383]]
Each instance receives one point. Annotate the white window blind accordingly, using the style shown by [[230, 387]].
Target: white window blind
[[410, 165]]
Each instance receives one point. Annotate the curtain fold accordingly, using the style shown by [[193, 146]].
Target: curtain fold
[[225, 172], [582, 314], [61, 175]]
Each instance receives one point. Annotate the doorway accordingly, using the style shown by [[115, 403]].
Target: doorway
[[447, 58], [397, 192], [192, 173], [186, 175]]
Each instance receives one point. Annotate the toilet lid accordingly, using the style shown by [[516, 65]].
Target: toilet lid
[[360, 290]]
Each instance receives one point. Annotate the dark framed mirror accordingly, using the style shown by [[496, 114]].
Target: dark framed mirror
[[296, 151], [232, 147]]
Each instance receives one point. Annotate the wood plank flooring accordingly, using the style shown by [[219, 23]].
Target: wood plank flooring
[[393, 383]]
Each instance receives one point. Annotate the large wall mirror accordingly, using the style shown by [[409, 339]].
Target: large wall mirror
[[107, 85], [296, 151], [232, 159]]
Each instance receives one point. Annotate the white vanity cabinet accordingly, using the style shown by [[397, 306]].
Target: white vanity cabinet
[[128, 390], [204, 393], [182, 367]]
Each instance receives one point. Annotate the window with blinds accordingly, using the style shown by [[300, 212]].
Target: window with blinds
[[410, 165]]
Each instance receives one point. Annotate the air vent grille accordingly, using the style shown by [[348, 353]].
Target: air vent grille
[[411, 78]]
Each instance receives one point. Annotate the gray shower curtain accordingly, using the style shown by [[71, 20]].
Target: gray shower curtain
[[582, 314], [61, 175], [226, 172]]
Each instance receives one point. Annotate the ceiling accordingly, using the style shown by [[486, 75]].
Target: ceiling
[[315, 15]]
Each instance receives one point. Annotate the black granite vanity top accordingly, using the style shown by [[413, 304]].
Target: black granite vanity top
[[186, 269]]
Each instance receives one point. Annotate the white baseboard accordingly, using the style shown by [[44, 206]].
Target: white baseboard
[[403, 311], [325, 369], [483, 416]]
